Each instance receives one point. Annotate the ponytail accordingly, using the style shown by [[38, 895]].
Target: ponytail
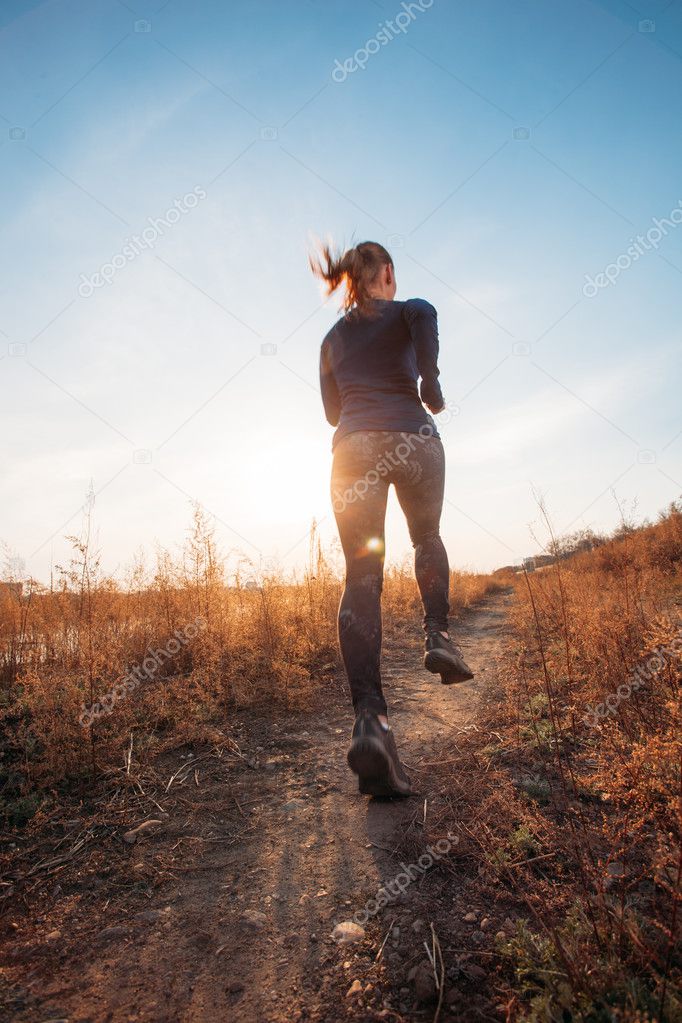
[[357, 269]]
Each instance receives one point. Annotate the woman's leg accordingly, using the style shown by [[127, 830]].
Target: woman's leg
[[420, 484], [359, 500]]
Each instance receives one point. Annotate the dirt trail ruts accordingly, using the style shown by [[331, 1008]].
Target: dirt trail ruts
[[264, 865]]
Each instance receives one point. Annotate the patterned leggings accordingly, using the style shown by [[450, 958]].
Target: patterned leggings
[[365, 464]]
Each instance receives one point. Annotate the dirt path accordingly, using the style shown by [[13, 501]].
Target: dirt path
[[235, 896]]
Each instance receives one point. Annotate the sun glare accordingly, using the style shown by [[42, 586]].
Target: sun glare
[[269, 494]]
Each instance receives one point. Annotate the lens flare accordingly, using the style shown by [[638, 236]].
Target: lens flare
[[375, 543]]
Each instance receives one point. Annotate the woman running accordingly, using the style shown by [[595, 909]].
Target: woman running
[[370, 364]]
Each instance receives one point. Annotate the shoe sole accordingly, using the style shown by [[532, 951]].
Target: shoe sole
[[376, 777], [437, 664]]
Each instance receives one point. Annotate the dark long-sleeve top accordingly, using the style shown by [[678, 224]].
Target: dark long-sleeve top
[[370, 367]]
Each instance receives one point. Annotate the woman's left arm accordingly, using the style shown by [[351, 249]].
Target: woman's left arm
[[422, 320]]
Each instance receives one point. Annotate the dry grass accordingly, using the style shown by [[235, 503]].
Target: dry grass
[[268, 641], [566, 797], [572, 814]]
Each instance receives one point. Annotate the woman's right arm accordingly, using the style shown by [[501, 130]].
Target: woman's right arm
[[328, 387]]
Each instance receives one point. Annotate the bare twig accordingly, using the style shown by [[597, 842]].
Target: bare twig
[[378, 955], [440, 980]]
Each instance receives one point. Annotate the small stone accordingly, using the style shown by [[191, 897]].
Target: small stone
[[109, 933], [152, 916], [132, 836], [486, 923], [470, 918], [473, 972], [348, 932], [254, 919], [395, 933], [418, 925], [354, 989], [424, 983], [53, 936], [501, 936], [347, 964], [294, 804]]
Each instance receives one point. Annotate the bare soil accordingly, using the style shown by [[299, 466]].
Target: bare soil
[[224, 910]]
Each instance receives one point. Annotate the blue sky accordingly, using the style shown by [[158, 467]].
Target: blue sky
[[501, 150]]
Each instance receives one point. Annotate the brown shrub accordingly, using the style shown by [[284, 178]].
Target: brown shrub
[[125, 650]]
